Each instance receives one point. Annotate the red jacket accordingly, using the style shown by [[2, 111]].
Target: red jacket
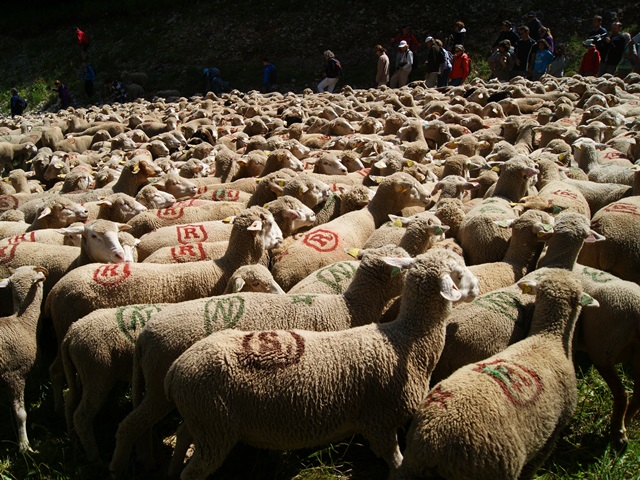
[[82, 37], [411, 40], [590, 61], [460, 66]]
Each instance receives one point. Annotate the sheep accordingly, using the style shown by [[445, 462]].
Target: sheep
[[556, 192], [18, 340], [619, 254], [421, 232], [98, 349], [152, 198], [323, 245], [599, 195], [18, 153], [347, 200], [99, 286], [587, 158], [495, 320], [403, 353], [522, 254], [482, 240], [182, 212], [514, 404], [374, 283]]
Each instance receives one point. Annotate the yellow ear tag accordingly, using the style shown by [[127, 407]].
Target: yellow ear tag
[[525, 287], [404, 190], [62, 175], [135, 169], [397, 222], [353, 252], [300, 191], [410, 163], [496, 169], [562, 156], [227, 220]]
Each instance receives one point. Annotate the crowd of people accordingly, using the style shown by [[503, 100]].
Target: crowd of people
[[528, 50]]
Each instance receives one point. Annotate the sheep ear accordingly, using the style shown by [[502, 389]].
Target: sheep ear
[[448, 289], [5, 282], [528, 286], [45, 211], [302, 189], [399, 262], [594, 237], [587, 300], [470, 185], [256, 226], [399, 221], [376, 178], [104, 203], [291, 214], [123, 226], [530, 172], [237, 284], [276, 187], [71, 230], [135, 168], [504, 223]]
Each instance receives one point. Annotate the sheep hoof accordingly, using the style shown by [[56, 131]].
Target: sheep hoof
[[620, 443]]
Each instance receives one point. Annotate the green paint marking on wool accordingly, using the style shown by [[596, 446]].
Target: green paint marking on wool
[[500, 373], [491, 209], [306, 299], [334, 274], [132, 318], [329, 202], [501, 302], [222, 313], [596, 275]]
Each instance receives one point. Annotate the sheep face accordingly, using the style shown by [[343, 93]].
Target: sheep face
[[268, 232], [100, 240]]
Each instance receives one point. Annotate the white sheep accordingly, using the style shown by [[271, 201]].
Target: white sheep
[[108, 285], [323, 380], [500, 418], [18, 343]]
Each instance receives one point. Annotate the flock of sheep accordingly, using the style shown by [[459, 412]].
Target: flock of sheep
[[289, 270]]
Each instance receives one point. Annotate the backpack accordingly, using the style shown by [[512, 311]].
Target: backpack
[[22, 103]]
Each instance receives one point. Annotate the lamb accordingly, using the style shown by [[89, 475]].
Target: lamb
[[173, 331], [324, 244], [421, 232], [480, 238], [522, 254], [514, 404], [98, 349], [619, 254], [18, 345], [99, 286], [403, 353]]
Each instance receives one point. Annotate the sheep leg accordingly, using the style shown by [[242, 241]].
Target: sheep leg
[[56, 373], [208, 456], [152, 409], [386, 447], [634, 403], [183, 442], [16, 386], [93, 398], [617, 430]]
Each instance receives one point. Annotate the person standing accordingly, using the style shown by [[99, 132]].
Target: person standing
[[615, 44], [542, 59], [407, 36], [597, 33], [404, 64], [625, 67], [332, 72], [556, 67], [382, 72], [269, 76], [523, 52], [590, 63], [17, 103], [435, 58], [534, 25], [460, 67], [445, 66], [89, 76], [507, 33], [457, 37], [501, 61], [83, 43], [63, 94]]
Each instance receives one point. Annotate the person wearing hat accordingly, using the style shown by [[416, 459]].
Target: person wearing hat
[[590, 60], [404, 64], [434, 59], [63, 94], [406, 35]]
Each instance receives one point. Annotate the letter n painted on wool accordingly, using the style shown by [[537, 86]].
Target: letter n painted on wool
[[132, 318], [222, 312]]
